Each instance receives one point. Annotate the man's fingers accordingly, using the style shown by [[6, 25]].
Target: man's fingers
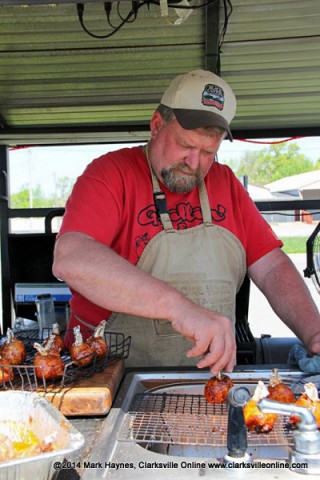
[[220, 354], [225, 362]]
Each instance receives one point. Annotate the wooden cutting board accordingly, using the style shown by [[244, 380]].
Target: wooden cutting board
[[90, 396]]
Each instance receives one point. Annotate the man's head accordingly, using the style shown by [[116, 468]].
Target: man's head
[[201, 99], [186, 135]]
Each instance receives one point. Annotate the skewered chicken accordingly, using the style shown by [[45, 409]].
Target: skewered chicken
[[97, 340], [13, 350], [48, 362], [254, 418], [58, 342], [81, 352], [278, 391], [309, 399], [6, 373], [216, 389]]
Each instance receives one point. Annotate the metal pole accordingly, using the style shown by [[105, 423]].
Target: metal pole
[[212, 38], [6, 298]]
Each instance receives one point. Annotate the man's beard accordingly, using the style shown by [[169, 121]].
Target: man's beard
[[176, 182]]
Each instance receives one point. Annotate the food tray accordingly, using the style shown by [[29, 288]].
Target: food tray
[[26, 380], [43, 419]]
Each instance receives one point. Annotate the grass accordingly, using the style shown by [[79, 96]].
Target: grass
[[294, 244]]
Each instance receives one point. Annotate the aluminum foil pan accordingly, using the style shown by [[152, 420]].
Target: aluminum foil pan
[[43, 419]]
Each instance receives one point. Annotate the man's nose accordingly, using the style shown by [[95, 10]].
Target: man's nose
[[193, 159]]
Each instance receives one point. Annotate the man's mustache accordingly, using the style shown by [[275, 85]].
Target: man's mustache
[[182, 167]]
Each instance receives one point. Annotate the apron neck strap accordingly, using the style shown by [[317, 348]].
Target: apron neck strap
[[159, 197], [205, 205], [161, 202]]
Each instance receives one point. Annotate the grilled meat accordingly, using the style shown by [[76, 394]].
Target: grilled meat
[[58, 343], [278, 391], [97, 340], [13, 350], [217, 388], [6, 373], [81, 352], [48, 362], [310, 400], [256, 420]]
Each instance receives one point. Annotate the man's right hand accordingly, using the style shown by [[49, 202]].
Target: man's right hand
[[212, 335]]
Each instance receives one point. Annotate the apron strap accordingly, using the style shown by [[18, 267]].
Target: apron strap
[[85, 324], [205, 205], [159, 198]]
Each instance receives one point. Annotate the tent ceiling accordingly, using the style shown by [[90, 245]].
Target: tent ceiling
[[58, 84]]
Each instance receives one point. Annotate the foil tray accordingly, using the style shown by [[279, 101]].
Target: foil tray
[[42, 418]]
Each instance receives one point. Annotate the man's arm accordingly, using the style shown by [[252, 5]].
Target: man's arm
[[113, 283], [277, 277]]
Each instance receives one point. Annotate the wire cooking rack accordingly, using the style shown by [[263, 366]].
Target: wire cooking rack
[[184, 419], [25, 375]]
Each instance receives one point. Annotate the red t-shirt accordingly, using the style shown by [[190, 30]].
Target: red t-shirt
[[112, 201]]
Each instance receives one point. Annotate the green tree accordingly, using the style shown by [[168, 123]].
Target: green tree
[[37, 198], [30, 199], [63, 187], [20, 199], [274, 162]]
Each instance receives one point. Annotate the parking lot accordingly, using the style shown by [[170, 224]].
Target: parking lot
[[262, 318]]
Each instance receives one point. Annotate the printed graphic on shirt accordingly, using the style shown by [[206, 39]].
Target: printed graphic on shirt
[[183, 216], [141, 242], [219, 213]]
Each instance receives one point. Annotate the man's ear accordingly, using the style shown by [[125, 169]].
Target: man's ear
[[156, 124]]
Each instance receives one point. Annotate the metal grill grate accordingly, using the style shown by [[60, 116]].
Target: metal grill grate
[[25, 375], [184, 419]]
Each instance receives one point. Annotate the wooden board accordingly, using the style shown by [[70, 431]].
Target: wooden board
[[90, 396]]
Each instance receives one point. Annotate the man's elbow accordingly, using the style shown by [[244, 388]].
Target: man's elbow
[[61, 262]]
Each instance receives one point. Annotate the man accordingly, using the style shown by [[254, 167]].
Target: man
[[164, 235]]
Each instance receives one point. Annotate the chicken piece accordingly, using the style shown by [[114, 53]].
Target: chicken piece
[[97, 340], [81, 352], [254, 418], [6, 448], [216, 389], [6, 373], [58, 342], [309, 399], [19, 441], [13, 350], [48, 362], [278, 391]]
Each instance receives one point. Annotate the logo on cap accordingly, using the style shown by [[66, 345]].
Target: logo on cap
[[213, 96]]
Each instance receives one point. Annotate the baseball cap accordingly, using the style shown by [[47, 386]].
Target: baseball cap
[[201, 99]]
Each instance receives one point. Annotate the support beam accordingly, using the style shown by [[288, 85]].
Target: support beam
[[5, 270], [212, 35], [52, 3], [3, 123]]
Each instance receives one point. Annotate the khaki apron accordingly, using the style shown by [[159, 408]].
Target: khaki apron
[[205, 263]]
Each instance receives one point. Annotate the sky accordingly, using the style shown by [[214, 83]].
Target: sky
[[42, 165]]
